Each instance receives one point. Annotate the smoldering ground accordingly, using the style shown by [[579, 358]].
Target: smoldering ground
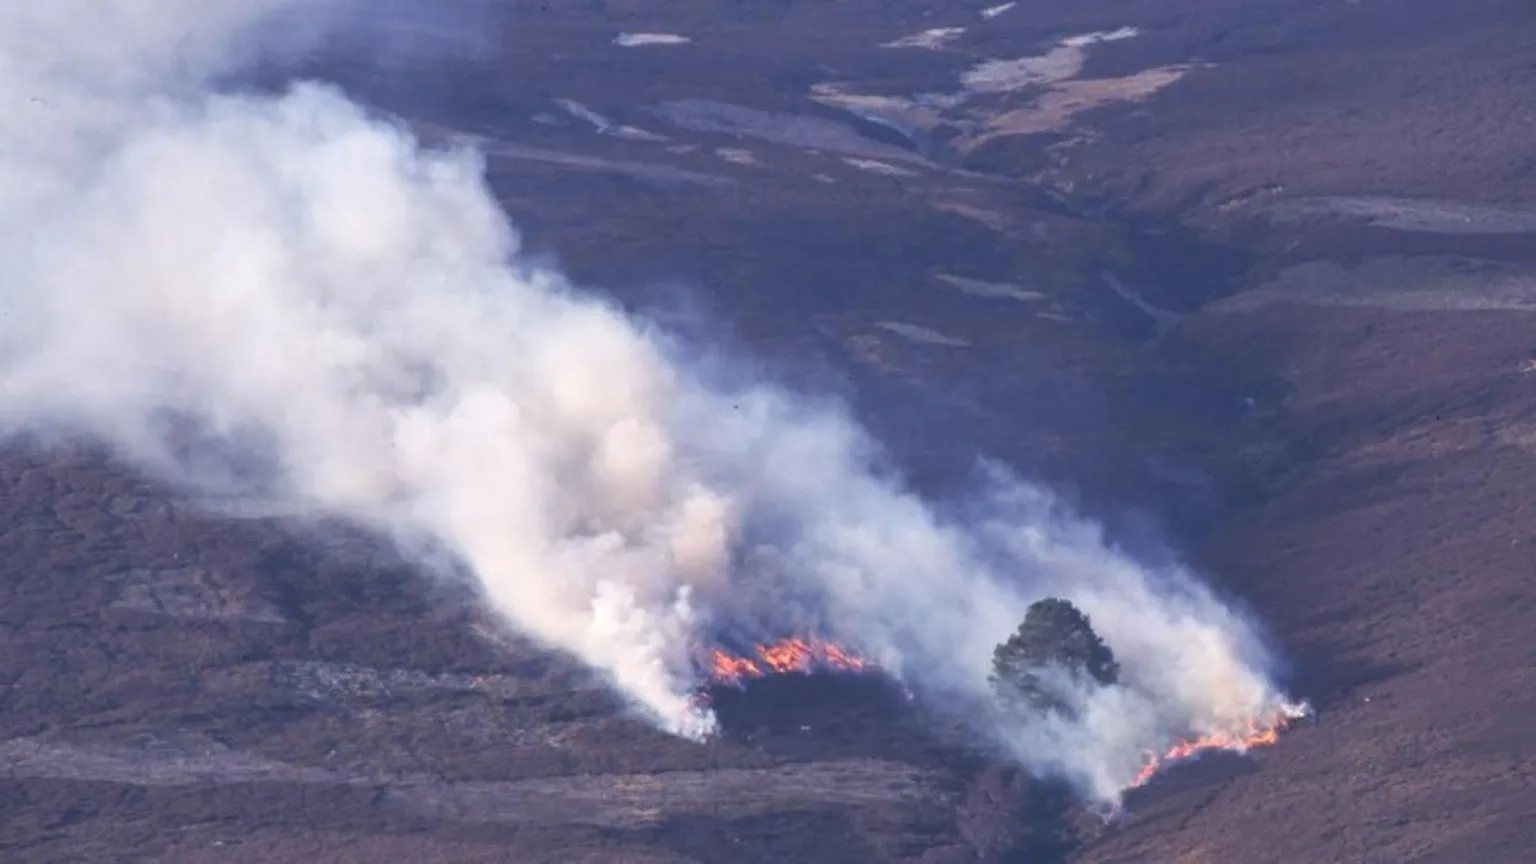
[[344, 321]]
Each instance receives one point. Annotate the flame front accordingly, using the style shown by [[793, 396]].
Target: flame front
[[1258, 734], [804, 656], [785, 656]]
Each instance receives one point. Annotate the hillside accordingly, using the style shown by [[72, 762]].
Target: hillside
[[1252, 280]]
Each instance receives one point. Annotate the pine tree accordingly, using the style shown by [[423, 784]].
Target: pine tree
[[1056, 634]]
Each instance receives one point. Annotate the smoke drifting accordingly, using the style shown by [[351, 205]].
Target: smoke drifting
[[284, 298]]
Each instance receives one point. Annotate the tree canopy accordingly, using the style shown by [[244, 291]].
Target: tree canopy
[[1057, 634]]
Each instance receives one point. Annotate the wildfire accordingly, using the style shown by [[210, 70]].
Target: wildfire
[[804, 656], [1258, 734], [785, 656]]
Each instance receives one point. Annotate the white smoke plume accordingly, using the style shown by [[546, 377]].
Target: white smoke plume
[[344, 316]]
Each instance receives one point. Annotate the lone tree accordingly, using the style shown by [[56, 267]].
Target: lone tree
[[1054, 634]]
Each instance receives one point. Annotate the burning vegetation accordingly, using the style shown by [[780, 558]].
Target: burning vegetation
[[1057, 635], [1054, 635], [1008, 813], [786, 656], [1258, 734]]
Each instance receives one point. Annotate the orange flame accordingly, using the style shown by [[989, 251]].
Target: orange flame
[[837, 658], [783, 657], [1258, 734]]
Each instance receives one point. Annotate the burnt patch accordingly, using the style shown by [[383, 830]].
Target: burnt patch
[[839, 715]]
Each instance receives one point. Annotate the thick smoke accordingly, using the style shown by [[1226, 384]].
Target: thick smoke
[[284, 298]]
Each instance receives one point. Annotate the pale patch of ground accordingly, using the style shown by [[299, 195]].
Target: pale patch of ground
[[875, 166], [917, 113], [736, 155], [1084, 39], [1056, 108], [1522, 435], [1419, 283], [921, 334], [633, 40], [605, 126], [635, 133], [989, 290], [1058, 94], [1408, 214], [585, 114], [990, 218], [191, 592], [1061, 62], [1006, 76], [933, 39], [1163, 317]]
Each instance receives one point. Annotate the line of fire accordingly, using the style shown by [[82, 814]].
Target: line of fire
[[795, 656]]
